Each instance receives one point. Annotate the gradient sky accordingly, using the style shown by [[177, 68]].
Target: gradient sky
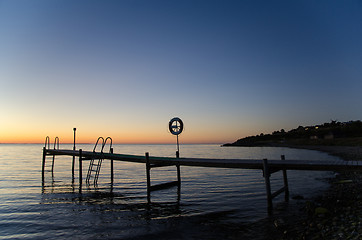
[[228, 69]]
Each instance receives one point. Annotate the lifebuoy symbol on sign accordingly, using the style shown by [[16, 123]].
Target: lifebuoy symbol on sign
[[175, 126]]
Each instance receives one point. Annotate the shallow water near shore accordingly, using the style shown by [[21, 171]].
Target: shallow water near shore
[[214, 203]]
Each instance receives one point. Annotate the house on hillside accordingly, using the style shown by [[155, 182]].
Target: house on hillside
[[329, 135]]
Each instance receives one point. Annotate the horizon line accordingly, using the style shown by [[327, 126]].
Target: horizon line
[[113, 143]]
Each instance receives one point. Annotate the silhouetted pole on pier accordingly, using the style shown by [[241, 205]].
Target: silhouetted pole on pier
[[73, 163], [47, 142], [80, 170], [267, 184], [111, 151], [56, 146], [148, 168], [176, 126], [43, 164], [285, 178], [178, 170]]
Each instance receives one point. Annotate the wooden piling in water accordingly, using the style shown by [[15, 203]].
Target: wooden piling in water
[[148, 168], [178, 170], [267, 173], [43, 164], [285, 178], [267, 184], [161, 186], [53, 161], [80, 168], [73, 162], [111, 151]]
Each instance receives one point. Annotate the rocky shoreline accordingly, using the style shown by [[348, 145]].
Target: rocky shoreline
[[348, 153], [336, 213]]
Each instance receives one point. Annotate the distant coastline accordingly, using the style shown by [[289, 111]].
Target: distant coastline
[[339, 139]]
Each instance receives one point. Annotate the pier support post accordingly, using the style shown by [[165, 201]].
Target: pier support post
[[178, 178], [161, 186], [43, 164], [80, 169], [148, 168], [285, 178], [178, 170], [73, 162], [111, 151], [267, 184], [53, 164], [267, 173]]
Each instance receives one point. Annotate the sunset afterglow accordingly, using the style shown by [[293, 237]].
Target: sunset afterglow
[[125, 68]]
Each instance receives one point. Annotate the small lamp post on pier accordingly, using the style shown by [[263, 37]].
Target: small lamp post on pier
[[74, 131]]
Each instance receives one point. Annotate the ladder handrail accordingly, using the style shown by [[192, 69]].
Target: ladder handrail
[[56, 143], [99, 162], [97, 171], [105, 142], [95, 146], [47, 140], [89, 170]]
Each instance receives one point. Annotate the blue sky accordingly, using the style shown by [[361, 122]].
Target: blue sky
[[229, 69]]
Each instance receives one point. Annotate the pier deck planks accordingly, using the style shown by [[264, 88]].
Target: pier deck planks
[[317, 165]]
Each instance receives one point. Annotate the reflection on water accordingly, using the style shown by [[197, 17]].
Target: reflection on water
[[214, 203]]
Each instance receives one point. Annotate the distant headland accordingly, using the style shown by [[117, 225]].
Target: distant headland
[[333, 133]]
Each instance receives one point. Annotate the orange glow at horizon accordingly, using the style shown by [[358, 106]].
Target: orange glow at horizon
[[127, 132], [91, 140], [130, 138]]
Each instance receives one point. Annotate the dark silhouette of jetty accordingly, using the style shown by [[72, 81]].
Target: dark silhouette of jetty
[[268, 167]]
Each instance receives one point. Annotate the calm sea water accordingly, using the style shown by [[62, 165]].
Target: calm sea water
[[212, 204]]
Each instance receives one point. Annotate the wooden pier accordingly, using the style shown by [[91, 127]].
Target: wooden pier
[[268, 167], [317, 165]]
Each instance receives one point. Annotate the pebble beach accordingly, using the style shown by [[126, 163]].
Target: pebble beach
[[336, 213]]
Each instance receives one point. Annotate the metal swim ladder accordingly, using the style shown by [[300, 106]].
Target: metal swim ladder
[[47, 146], [95, 166]]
